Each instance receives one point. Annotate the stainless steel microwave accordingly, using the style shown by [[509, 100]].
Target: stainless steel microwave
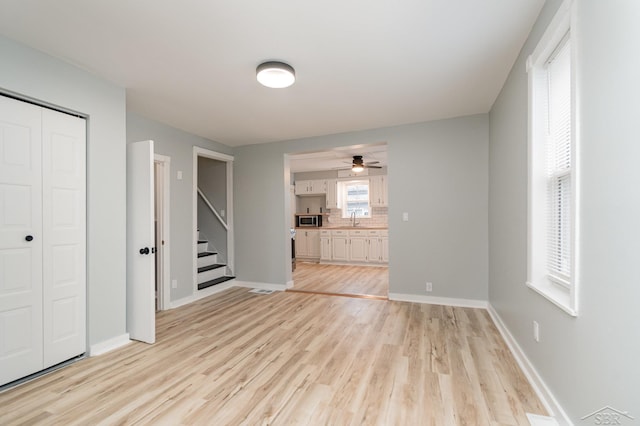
[[311, 220]]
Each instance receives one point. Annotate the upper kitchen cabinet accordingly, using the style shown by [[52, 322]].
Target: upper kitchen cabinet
[[332, 193], [310, 187], [378, 194]]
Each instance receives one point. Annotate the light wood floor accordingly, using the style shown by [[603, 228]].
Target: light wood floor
[[341, 279], [291, 358]]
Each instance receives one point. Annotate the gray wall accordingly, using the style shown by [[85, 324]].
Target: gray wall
[[592, 360], [437, 172], [212, 181], [30, 73], [178, 145]]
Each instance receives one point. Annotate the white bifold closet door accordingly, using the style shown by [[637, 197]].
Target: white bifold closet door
[[42, 238]]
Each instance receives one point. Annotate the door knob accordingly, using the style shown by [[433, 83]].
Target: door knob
[[144, 250], [29, 238]]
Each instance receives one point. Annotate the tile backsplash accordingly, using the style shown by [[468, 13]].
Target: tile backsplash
[[379, 218]]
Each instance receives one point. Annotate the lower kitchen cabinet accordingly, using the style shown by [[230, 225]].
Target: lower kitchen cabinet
[[356, 246], [384, 249], [325, 245], [340, 246], [378, 246], [308, 243]]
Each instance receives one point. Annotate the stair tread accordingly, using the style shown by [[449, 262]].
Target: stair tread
[[218, 280], [210, 267], [206, 253]]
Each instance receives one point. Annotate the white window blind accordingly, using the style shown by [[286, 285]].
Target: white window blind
[[559, 164], [552, 254], [356, 198]]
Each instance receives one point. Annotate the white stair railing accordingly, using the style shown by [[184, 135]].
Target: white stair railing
[[213, 209]]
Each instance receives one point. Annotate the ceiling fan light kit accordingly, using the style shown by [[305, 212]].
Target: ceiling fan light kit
[[276, 75], [358, 164]]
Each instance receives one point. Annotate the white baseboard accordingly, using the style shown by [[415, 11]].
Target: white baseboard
[[109, 345], [447, 301], [539, 386], [201, 294], [264, 286], [289, 284]]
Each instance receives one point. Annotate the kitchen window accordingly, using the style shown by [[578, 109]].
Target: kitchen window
[[355, 198], [552, 166]]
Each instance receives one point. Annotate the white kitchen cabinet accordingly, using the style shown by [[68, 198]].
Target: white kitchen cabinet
[[308, 243], [378, 193], [374, 249], [313, 243], [332, 193], [384, 249], [310, 187], [355, 246], [340, 245], [378, 246], [358, 246], [325, 245], [301, 243]]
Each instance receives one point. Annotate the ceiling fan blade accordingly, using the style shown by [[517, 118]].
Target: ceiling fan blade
[[372, 162], [367, 166]]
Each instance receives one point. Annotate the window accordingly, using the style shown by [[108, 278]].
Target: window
[[552, 171], [355, 198]]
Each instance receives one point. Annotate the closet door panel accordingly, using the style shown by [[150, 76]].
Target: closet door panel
[[64, 219], [21, 240]]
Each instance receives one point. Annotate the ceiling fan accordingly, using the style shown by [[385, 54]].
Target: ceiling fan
[[358, 164]]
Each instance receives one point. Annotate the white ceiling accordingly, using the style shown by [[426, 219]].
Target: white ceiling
[[360, 64], [338, 158]]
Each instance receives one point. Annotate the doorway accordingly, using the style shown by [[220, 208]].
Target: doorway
[[213, 231], [347, 253]]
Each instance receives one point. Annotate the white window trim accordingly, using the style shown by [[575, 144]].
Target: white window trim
[[563, 296], [342, 196]]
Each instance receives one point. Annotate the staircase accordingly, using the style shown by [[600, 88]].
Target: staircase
[[210, 272]]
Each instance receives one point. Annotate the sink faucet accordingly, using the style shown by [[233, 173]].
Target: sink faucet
[[353, 219]]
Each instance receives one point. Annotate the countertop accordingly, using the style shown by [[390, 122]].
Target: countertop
[[346, 228]]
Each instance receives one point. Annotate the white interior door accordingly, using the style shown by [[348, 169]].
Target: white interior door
[[64, 242], [21, 240], [140, 243]]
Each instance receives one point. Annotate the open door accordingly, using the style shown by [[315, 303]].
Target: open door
[[141, 320]]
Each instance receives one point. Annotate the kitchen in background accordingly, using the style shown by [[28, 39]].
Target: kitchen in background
[[331, 227]]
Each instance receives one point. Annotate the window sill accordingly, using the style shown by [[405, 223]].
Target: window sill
[[555, 294]]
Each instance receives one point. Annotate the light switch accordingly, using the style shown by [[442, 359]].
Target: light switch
[[405, 217], [179, 174]]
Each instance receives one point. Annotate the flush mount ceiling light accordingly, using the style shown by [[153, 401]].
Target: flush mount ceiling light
[[276, 75]]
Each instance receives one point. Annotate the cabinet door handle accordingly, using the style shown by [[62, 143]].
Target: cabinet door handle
[[29, 238]]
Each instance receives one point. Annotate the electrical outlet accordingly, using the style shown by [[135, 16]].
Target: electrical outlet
[[174, 283], [222, 212], [429, 287], [536, 331]]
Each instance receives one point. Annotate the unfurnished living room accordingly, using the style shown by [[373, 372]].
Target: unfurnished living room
[[282, 213]]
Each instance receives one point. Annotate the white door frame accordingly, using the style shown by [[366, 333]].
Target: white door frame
[[228, 159], [164, 250]]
